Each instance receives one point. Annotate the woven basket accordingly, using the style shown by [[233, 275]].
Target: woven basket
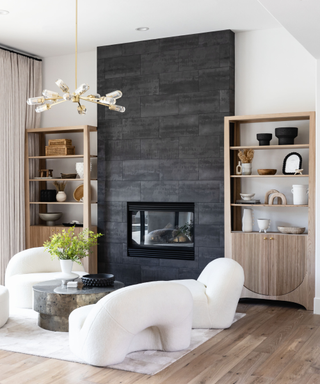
[[98, 280], [60, 142], [59, 150]]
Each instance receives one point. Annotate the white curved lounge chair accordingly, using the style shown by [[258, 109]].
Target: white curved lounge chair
[[28, 268], [216, 293], [155, 315]]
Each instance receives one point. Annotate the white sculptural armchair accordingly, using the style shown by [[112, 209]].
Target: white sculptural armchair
[[216, 293], [155, 315], [27, 268]]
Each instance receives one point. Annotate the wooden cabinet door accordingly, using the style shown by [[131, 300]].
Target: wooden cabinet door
[[287, 263], [251, 251]]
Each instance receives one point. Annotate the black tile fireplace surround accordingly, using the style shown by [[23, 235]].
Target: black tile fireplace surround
[[166, 147]]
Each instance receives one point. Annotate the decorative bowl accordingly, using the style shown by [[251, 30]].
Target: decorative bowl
[[50, 217], [295, 230], [247, 196], [68, 175], [264, 138], [98, 280], [286, 135], [264, 172]]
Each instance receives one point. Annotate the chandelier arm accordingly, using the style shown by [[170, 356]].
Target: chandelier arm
[[58, 102]]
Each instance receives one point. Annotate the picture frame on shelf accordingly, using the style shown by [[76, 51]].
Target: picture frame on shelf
[[291, 163]]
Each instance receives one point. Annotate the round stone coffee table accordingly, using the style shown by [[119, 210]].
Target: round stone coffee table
[[55, 302]]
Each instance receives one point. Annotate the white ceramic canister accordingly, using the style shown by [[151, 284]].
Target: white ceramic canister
[[300, 194], [246, 168], [247, 220]]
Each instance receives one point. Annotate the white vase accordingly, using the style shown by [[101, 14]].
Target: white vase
[[61, 196], [66, 268], [80, 169], [300, 194], [246, 168], [247, 220]]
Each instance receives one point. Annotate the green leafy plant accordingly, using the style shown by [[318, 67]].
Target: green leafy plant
[[186, 229], [69, 246]]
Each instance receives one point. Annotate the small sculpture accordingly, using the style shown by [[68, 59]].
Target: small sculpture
[[298, 172], [238, 168], [280, 197]]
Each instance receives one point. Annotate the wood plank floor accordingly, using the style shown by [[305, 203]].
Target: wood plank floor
[[274, 343]]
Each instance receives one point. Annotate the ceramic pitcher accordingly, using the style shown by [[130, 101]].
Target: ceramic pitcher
[[300, 194]]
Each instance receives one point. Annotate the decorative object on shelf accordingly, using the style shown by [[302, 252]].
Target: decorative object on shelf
[[47, 173], [80, 169], [53, 142], [291, 163], [68, 175], [78, 193], [50, 98], [263, 224], [254, 201], [298, 172], [266, 199], [60, 187], [73, 223], [300, 194], [67, 245], [264, 172], [281, 198], [60, 150], [286, 135], [264, 138], [247, 220], [246, 156], [48, 195], [98, 280], [293, 230], [247, 196], [50, 217], [239, 168]]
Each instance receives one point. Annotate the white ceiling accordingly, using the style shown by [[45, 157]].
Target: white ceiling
[[47, 28]]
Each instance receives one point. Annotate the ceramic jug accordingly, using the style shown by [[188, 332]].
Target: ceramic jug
[[247, 220], [300, 194]]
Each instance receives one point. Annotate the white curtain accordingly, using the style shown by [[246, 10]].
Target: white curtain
[[21, 78]]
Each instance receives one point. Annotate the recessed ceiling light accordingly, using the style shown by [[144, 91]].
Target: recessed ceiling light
[[3, 12], [142, 29]]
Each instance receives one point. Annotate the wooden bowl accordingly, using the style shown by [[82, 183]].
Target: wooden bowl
[[295, 230], [264, 172]]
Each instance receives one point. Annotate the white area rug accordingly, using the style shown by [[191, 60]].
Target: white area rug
[[22, 334]]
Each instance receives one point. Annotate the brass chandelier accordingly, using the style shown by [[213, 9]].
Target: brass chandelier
[[50, 98]]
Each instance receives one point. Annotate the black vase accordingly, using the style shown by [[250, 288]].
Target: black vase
[[264, 138], [286, 135]]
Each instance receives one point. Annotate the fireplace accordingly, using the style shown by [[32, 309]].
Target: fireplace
[[161, 230]]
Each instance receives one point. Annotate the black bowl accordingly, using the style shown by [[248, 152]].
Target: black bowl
[[264, 138], [98, 280], [286, 135]]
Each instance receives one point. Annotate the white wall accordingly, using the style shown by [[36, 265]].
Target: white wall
[[65, 114], [274, 73]]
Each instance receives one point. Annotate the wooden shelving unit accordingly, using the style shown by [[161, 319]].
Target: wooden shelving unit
[[37, 233], [277, 266]]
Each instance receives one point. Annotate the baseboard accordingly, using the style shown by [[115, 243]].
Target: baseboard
[[316, 308]]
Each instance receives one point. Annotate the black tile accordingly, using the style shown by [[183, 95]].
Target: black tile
[[115, 232], [141, 47], [178, 126], [214, 38], [140, 85], [139, 128], [108, 51], [199, 58], [160, 62], [141, 170], [211, 169], [211, 213], [199, 191], [211, 124], [179, 42], [215, 79], [179, 82], [110, 130], [122, 149], [207, 236], [198, 147], [113, 212], [162, 105], [122, 190], [159, 148], [122, 66], [179, 169], [159, 191], [202, 102]]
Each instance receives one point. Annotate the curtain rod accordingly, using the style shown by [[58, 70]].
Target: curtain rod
[[19, 53]]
